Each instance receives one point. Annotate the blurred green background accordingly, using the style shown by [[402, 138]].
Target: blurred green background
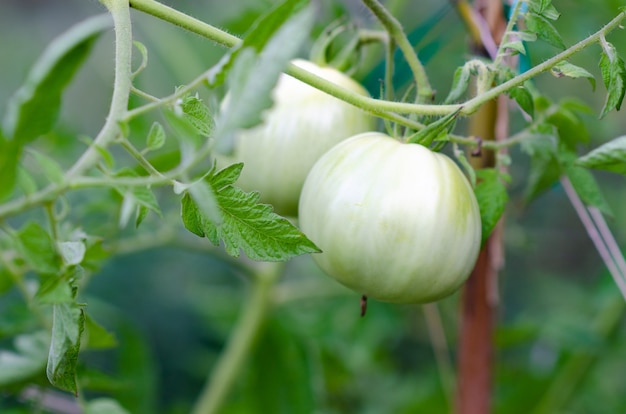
[[171, 300]]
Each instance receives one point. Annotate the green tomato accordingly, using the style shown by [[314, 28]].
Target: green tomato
[[396, 222], [302, 125]]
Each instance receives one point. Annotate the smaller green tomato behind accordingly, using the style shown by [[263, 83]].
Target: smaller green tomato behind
[[396, 222], [301, 126]]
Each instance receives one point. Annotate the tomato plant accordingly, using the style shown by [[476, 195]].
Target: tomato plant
[[301, 126], [145, 263], [396, 222]]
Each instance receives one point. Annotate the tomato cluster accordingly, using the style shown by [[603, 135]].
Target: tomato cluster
[[396, 222]]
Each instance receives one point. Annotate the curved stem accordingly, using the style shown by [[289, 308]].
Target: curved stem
[[424, 90], [121, 88], [240, 342]]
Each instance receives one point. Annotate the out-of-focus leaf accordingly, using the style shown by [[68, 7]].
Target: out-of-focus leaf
[[97, 337], [614, 77], [156, 137], [610, 156], [68, 323], [564, 68], [460, 83], [544, 29], [253, 76], [49, 167], [37, 248], [258, 36], [492, 197], [585, 185], [10, 153], [524, 99], [104, 406], [28, 359], [34, 108]]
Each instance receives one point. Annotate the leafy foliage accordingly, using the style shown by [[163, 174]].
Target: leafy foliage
[[614, 77], [246, 224], [610, 156], [492, 198], [313, 353]]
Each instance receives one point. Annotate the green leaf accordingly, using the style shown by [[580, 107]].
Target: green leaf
[[610, 156], [524, 99], [544, 29], [28, 359], [37, 249], [68, 323], [205, 199], [435, 130], [10, 153], [6, 279], [570, 127], [565, 68], [144, 57], [257, 37], [50, 168], [492, 197], [156, 137], [34, 108], [104, 406], [584, 183], [460, 83], [246, 224], [614, 77], [187, 135], [55, 290], [135, 197], [72, 252], [25, 181], [517, 46], [545, 169], [197, 114], [97, 337], [253, 76]]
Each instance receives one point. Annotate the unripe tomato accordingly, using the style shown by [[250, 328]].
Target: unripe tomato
[[396, 222], [302, 125]]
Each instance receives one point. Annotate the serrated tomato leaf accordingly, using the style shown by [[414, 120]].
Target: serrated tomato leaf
[[610, 156], [33, 109], [68, 323], [492, 197], [246, 224], [614, 78]]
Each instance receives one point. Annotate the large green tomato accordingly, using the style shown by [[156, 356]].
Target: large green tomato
[[396, 222], [302, 125]]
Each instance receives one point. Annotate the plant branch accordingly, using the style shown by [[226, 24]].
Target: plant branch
[[393, 26], [474, 103], [121, 88], [240, 342]]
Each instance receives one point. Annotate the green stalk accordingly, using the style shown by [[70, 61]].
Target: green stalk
[[241, 341], [393, 26], [120, 12]]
